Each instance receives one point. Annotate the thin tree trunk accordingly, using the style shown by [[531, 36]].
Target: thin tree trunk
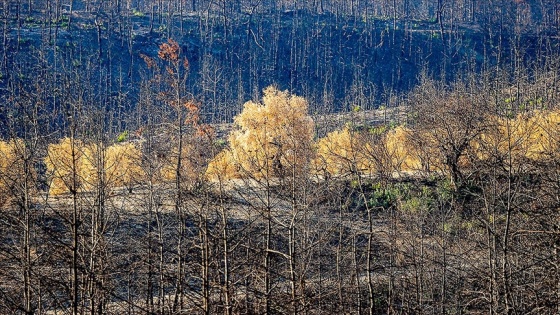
[[74, 228]]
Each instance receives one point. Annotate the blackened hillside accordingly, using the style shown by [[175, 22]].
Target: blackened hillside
[[335, 55]]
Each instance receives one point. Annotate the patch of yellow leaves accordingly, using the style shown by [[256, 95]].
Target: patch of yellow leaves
[[75, 166], [271, 136], [12, 171]]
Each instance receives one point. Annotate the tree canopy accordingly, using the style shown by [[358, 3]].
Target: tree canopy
[[270, 138]]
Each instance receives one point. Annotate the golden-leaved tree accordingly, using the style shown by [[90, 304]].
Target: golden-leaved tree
[[11, 168], [75, 166], [64, 166], [370, 152], [546, 135], [343, 152], [119, 164], [531, 135], [6, 160], [272, 138], [404, 156]]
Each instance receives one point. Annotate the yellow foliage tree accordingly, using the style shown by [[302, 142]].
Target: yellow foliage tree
[[12, 171], [540, 132], [272, 138], [123, 165], [64, 166], [119, 164], [520, 136], [222, 167], [404, 156], [74, 166], [343, 152], [7, 158], [534, 135]]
